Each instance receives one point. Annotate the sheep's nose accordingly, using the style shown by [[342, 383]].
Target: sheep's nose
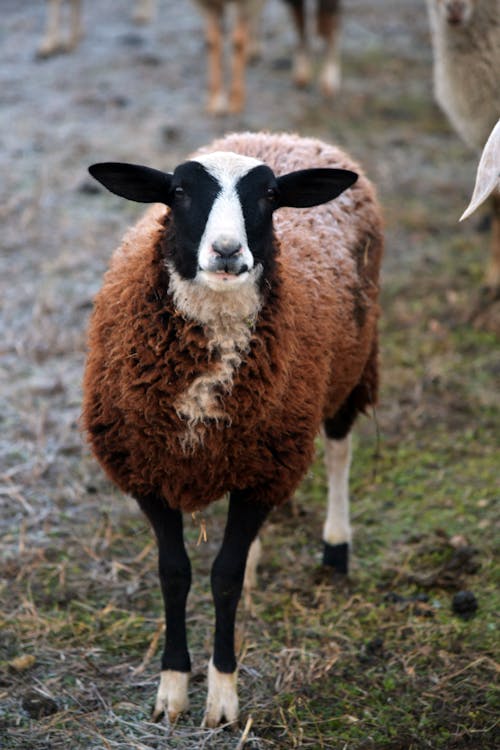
[[226, 247]]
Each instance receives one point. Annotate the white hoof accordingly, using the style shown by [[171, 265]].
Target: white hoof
[[218, 104], [302, 70], [172, 697], [330, 80], [222, 698]]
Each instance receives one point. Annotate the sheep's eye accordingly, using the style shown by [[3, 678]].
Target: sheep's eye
[[271, 194], [179, 192]]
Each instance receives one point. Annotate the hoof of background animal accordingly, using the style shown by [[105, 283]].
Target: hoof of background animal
[[48, 49], [302, 71], [222, 698], [172, 698], [217, 104], [329, 81], [336, 557], [236, 103]]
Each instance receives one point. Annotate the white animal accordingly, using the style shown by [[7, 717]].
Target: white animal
[[488, 184]]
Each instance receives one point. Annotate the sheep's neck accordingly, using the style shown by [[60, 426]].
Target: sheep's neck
[[228, 320]]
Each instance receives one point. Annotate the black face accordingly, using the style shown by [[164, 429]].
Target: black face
[[193, 192], [242, 218], [258, 193]]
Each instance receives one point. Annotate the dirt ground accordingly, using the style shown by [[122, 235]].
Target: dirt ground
[[378, 661]]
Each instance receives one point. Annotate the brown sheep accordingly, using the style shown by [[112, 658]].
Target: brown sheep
[[230, 328]]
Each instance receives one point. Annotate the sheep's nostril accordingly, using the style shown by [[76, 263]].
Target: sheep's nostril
[[226, 248]]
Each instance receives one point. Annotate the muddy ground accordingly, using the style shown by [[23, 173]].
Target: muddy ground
[[378, 661]]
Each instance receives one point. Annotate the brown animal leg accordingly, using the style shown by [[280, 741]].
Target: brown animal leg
[[302, 71], [214, 34], [328, 29], [239, 60]]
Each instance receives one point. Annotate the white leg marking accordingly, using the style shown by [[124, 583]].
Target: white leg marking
[[302, 68], [172, 697], [144, 11], [222, 698], [250, 580], [337, 528], [330, 78]]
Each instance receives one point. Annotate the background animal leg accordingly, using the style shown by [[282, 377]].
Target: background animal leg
[[217, 103], [302, 70], [239, 60], [329, 30]]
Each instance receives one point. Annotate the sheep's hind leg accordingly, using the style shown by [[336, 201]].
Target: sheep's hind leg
[[337, 532], [245, 517], [175, 578]]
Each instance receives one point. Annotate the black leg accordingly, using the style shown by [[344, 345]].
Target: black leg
[[175, 578], [245, 517]]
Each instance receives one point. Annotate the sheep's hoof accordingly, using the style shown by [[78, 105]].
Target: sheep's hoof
[[336, 556], [172, 697], [222, 698]]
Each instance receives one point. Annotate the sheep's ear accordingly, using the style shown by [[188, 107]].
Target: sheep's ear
[[134, 182], [311, 187]]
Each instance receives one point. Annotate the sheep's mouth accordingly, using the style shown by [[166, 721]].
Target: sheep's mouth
[[223, 278]]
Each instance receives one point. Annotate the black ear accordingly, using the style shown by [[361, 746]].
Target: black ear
[[311, 187], [133, 181]]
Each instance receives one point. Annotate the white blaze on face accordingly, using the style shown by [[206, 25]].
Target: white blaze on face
[[225, 221]]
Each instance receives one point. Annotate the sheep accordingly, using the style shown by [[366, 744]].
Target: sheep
[[328, 23], [246, 19], [230, 327], [488, 184], [466, 41], [53, 41]]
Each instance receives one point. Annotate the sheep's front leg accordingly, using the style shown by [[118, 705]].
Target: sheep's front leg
[[245, 517], [175, 578]]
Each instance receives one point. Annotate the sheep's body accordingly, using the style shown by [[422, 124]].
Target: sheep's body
[[298, 365], [192, 390], [466, 42]]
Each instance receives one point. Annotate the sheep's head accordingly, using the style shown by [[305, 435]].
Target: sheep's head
[[222, 206], [456, 12]]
